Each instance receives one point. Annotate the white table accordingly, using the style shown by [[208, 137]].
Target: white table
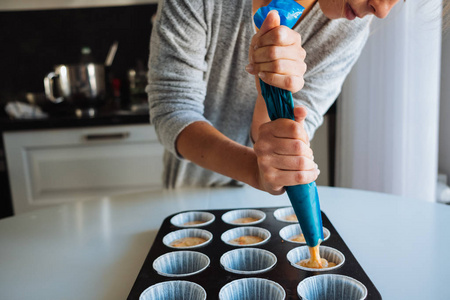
[[95, 249]]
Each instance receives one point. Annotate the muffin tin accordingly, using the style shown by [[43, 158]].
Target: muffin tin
[[215, 270]]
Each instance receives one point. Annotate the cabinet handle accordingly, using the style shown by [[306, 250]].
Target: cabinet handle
[[107, 136]]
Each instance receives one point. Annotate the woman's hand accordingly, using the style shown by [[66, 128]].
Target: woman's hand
[[284, 155], [276, 55]]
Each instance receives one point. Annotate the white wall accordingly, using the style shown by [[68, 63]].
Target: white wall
[[57, 4], [388, 117], [444, 124]]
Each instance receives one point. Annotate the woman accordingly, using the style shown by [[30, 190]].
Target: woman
[[206, 105]]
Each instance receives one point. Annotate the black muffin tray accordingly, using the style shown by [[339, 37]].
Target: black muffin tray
[[214, 277]]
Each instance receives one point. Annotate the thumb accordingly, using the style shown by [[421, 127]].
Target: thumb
[[300, 113], [272, 20]]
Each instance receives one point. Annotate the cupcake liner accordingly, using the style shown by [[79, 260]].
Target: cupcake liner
[[331, 287], [184, 233], [174, 290], [252, 289], [235, 233], [282, 213], [181, 219], [181, 263], [248, 261], [286, 233], [233, 215], [300, 253]]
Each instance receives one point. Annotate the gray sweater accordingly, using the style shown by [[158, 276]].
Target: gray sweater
[[198, 54]]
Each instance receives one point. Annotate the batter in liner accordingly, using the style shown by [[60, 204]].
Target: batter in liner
[[245, 220], [246, 240], [315, 262], [188, 242]]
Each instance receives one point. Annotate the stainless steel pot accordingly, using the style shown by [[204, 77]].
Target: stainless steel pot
[[82, 85]]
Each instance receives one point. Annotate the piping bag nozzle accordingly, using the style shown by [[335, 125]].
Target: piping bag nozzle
[[304, 198]]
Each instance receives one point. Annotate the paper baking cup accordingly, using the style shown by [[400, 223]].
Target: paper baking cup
[[174, 290], [235, 233], [281, 214], [332, 287], [248, 261], [330, 254], [230, 216], [183, 233], [183, 218], [252, 289], [286, 233], [181, 263]]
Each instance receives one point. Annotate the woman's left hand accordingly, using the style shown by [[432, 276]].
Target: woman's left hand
[[276, 55]]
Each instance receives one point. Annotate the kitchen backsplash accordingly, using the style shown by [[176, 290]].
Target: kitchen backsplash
[[33, 42]]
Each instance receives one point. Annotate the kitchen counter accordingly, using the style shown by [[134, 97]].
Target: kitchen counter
[[94, 249], [103, 118]]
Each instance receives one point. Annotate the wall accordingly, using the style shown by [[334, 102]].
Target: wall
[[444, 124], [61, 4], [33, 42]]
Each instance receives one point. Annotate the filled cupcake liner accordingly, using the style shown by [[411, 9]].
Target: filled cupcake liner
[[225, 262], [181, 263], [181, 219], [252, 289], [248, 261], [235, 233], [281, 214], [286, 233], [330, 254], [184, 233], [230, 216], [174, 290], [331, 287]]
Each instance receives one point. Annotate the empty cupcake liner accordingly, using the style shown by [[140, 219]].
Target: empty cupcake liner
[[330, 254], [235, 233], [286, 233], [282, 214], [248, 261], [233, 215], [181, 263], [174, 290], [185, 233], [331, 287], [252, 289], [181, 219]]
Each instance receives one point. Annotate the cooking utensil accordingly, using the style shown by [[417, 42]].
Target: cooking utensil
[[82, 85], [111, 54]]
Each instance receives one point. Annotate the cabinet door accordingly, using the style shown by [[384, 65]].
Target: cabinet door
[[54, 166]]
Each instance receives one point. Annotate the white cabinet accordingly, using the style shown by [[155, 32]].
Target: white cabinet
[[54, 166]]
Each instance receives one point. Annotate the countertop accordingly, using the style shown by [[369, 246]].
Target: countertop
[[103, 118], [94, 249]]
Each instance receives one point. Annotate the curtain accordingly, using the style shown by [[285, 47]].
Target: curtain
[[387, 118]]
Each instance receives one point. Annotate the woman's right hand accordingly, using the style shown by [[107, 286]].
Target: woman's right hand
[[284, 155]]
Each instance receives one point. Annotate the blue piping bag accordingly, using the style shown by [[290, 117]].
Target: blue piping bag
[[304, 198]]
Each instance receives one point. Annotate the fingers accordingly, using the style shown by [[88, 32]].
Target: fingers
[[281, 67], [277, 178], [286, 147], [273, 53], [280, 36], [282, 128], [272, 21], [300, 113], [285, 82], [289, 163], [282, 64]]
